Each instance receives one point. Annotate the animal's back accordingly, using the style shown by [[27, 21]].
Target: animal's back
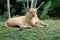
[[15, 21]]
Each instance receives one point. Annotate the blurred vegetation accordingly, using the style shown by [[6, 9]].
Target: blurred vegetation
[[52, 32], [50, 9]]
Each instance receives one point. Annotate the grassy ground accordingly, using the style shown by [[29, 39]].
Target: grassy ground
[[51, 32]]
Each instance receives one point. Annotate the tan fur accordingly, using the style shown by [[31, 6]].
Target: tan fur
[[22, 21], [30, 19], [35, 21]]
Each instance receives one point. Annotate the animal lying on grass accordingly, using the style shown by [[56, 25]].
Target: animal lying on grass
[[30, 19], [21, 21]]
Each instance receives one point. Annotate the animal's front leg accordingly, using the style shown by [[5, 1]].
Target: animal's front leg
[[26, 25], [40, 24], [21, 27]]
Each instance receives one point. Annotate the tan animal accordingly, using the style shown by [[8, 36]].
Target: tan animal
[[22, 21], [19, 21], [30, 19], [35, 21]]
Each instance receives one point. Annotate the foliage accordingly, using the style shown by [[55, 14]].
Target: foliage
[[56, 3], [46, 9], [13, 11], [17, 7], [33, 3], [4, 16]]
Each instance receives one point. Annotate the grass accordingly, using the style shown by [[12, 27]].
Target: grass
[[51, 32]]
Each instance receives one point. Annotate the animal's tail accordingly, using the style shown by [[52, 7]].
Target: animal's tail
[[6, 25]]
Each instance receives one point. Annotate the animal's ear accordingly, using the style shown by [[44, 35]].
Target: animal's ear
[[36, 8]]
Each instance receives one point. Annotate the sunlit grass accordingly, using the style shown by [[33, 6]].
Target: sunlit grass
[[51, 32]]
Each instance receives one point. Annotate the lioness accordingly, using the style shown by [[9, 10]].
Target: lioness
[[30, 19], [22, 21]]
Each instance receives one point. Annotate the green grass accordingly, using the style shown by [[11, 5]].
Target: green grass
[[51, 32]]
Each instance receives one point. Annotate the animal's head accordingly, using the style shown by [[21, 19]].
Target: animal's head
[[32, 11]]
